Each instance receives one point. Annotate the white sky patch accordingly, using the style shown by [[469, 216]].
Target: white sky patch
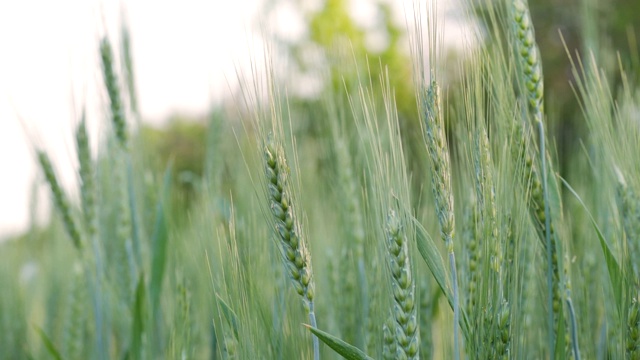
[[289, 22], [185, 54]]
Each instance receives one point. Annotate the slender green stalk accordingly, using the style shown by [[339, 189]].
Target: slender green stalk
[[633, 331], [573, 328], [426, 320]]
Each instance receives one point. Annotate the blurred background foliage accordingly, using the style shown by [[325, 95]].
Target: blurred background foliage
[[333, 42]]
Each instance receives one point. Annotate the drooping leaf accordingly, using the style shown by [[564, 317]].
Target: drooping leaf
[[431, 255], [341, 347], [159, 244], [229, 314], [561, 344], [615, 272], [137, 330], [49, 344]]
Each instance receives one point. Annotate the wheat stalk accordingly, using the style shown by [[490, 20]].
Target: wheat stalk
[[113, 90], [426, 320], [633, 331]]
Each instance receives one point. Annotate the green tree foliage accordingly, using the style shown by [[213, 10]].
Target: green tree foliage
[[182, 144]]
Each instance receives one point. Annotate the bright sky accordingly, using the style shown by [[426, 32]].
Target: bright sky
[[49, 67], [183, 52]]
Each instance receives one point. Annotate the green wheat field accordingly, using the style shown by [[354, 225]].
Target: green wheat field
[[422, 204]]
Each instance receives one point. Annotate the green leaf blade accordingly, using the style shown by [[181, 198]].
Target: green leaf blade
[[341, 347]]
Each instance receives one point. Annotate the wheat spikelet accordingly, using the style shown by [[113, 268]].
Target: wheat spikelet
[[438, 150], [473, 252], [87, 178], [426, 321], [389, 346], [293, 247], [537, 204], [439, 153], [357, 305], [230, 348], [60, 200], [486, 197], [75, 326], [503, 329], [403, 289], [113, 90], [529, 56]]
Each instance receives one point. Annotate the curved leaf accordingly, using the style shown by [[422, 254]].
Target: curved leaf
[[431, 255], [615, 272], [344, 349]]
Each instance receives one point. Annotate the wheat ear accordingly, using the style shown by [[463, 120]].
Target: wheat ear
[[113, 90], [389, 345], [542, 222], [60, 200], [441, 183], [529, 56], [292, 245], [403, 289]]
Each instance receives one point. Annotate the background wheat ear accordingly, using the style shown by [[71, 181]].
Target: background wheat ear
[[60, 200], [112, 85]]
